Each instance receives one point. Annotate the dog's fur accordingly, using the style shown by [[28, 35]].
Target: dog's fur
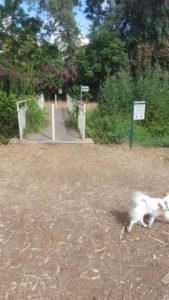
[[143, 204]]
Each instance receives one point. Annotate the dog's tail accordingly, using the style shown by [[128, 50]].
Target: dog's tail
[[139, 196]]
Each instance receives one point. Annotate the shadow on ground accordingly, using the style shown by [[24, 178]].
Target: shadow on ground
[[121, 217]]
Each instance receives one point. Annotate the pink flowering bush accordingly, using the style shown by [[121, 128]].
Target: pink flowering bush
[[48, 68], [2, 72]]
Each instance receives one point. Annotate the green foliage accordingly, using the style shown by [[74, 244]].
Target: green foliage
[[95, 10], [163, 55], [154, 89], [116, 94], [8, 115], [4, 140], [72, 120], [111, 121], [49, 84], [140, 133], [104, 55], [24, 50], [148, 18], [35, 116], [74, 91], [18, 45], [122, 41], [121, 128], [107, 128], [145, 28], [105, 46], [61, 12], [143, 136], [142, 54]]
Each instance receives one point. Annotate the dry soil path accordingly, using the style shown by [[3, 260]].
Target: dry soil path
[[62, 213]]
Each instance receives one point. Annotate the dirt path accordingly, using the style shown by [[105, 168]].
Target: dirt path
[[62, 212]]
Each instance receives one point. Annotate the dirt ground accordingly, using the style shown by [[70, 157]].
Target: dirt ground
[[63, 208], [89, 105]]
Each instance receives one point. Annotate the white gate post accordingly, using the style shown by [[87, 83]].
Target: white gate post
[[19, 122], [21, 110], [81, 93], [53, 121], [84, 118], [55, 100]]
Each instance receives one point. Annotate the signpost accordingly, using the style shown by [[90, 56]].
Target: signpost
[[137, 113], [83, 88], [60, 94]]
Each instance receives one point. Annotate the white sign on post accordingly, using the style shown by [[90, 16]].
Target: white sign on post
[[138, 113], [139, 110], [84, 88], [60, 91]]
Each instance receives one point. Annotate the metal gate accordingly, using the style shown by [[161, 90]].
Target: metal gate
[[21, 110], [71, 103]]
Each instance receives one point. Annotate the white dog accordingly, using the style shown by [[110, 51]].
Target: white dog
[[146, 205]]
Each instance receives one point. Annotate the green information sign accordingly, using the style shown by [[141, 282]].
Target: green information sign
[[137, 113]]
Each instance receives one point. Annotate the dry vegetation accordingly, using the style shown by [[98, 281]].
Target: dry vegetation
[[63, 208]]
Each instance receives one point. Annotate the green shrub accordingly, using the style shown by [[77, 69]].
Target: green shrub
[[72, 120], [116, 94], [150, 141], [154, 89], [121, 128], [111, 122], [106, 129], [115, 129], [74, 91], [99, 128], [8, 115], [4, 140], [140, 133], [35, 116]]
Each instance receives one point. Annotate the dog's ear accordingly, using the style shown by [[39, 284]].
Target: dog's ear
[[160, 207]]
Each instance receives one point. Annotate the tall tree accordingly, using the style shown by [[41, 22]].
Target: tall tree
[[95, 10], [104, 55], [61, 23], [18, 42], [149, 19], [145, 26]]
